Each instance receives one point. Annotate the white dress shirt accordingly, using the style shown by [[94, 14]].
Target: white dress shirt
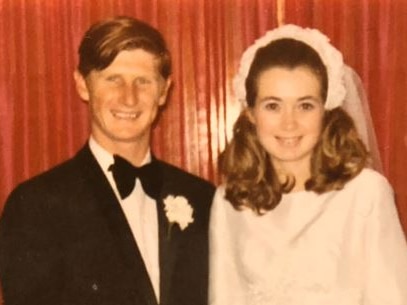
[[141, 214]]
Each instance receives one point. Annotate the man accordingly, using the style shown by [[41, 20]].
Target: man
[[76, 234]]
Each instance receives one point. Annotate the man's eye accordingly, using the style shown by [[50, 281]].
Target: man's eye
[[113, 79], [142, 81]]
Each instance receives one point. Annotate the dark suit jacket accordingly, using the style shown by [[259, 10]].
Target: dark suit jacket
[[65, 240]]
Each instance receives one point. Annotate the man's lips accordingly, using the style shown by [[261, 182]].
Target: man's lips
[[126, 115]]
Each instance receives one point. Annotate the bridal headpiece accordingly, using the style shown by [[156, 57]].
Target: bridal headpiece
[[329, 55], [345, 88]]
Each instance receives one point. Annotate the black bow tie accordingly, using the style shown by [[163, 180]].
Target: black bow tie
[[125, 174]]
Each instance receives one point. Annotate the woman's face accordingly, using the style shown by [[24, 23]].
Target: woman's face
[[288, 114]]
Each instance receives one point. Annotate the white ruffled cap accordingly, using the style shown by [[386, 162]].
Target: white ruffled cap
[[330, 56]]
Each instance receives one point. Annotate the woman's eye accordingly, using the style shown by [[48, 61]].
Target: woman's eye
[[307, 106], [272, 106]]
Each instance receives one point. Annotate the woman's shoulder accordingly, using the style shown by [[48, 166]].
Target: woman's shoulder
[[220, 194], [221, 205], [219, 199], [370, 190], [370, 180]]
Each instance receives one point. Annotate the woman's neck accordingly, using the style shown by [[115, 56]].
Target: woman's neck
[[301, 173]]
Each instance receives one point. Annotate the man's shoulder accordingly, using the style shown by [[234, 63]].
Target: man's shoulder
[[178, 174], [52, 179], [179, 181]]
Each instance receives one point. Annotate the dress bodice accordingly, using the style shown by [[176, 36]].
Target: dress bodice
[[311, 249]]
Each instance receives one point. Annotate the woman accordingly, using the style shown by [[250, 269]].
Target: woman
[[300, 218]]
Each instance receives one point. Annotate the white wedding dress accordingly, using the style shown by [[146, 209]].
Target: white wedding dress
[[343, 247]]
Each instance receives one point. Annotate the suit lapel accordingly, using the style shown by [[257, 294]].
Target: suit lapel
[[116, 220], [168, 245], [169, 235]]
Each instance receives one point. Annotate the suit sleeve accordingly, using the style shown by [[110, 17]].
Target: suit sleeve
[[28, 252], [386, 251]]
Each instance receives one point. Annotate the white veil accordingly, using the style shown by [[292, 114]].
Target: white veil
[[357, 106]]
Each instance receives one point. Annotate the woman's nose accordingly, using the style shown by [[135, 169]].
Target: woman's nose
[[289, 119]]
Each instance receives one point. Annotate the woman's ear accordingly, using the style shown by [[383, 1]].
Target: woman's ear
[[248, 112], [81, 86]]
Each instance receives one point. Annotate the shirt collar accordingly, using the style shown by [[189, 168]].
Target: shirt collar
[[105, 158]]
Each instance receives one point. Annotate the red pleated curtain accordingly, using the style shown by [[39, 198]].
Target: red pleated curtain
[[43, 122]]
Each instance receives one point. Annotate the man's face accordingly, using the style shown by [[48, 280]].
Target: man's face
[[124, 98]]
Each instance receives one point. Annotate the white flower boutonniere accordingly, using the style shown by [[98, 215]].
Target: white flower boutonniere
[[178, 210]]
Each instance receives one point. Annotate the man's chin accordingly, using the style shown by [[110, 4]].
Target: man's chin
[[117, 139]]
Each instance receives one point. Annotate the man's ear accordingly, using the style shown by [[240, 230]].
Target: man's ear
[[81, 86], [165, 90]]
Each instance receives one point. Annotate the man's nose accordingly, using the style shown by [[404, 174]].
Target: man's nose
[[130, 95]]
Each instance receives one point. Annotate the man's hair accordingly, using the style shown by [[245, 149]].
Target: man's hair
[[105, 39], [250, 177]]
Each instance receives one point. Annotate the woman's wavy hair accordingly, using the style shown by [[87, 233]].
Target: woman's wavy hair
[[251, 180]]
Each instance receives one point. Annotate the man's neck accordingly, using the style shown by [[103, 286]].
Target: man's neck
[[134, 152]]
